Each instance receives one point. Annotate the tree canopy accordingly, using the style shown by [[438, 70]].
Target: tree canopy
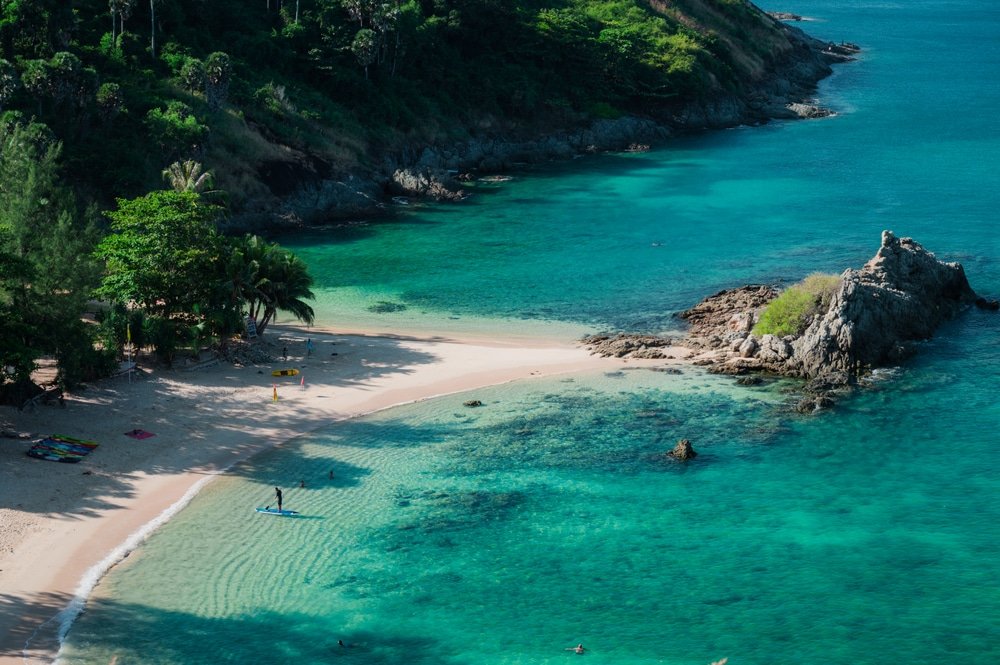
[[162, 253], [134, 86], [46, 269]]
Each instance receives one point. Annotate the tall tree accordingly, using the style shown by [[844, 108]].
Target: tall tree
[[152, 27], [218, 74], [161, 253], [365, 48], [267, 278], [45, 246]]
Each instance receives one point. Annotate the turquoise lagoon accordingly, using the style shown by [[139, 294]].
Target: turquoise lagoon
[[549, 517]]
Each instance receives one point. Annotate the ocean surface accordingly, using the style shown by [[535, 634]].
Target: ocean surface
[[549, 517]]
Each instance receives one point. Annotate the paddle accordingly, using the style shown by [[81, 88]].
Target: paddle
[[268, 506]]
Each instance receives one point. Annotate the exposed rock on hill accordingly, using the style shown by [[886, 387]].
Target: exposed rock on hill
[[777, 79]]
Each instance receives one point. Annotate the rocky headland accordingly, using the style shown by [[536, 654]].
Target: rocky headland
[[875, 317], [305, 190]]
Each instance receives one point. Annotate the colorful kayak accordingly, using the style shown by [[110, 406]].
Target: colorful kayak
[[285, 372], [275, 511]]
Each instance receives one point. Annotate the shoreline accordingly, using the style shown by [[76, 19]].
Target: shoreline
[[63, 526]]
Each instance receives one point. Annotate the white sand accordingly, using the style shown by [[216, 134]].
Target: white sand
[[59, 521]]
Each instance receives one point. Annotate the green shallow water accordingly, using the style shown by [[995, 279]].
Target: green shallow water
[[549, 517]]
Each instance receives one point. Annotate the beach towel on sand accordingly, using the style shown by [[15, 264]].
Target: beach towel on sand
[[139, 434], [59, 448]]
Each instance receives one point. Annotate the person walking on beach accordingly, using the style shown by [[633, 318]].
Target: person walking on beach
[[309, 346], [277, 493]]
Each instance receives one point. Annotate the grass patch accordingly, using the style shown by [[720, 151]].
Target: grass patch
[[791, 312]]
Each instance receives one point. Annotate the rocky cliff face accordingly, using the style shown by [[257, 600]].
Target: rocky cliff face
[[874, 318], [901, 295]]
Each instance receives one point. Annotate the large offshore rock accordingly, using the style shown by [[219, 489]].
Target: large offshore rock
[[874, 317], [901, 295]]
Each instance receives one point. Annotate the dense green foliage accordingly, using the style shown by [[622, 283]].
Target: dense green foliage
[[114, 96], [131, 87], [166, 262], [268, 278], [46, 272], [162, 247], [791, 312]]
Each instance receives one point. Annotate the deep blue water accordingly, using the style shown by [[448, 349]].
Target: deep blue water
[[549, 517]]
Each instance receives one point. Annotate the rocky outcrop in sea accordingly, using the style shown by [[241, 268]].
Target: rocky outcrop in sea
[[876, 317]]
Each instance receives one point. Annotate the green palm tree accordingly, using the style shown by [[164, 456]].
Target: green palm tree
[[288, 286], [267, 278], [187, 176]]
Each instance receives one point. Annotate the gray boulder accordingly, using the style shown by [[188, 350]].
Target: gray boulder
[[749, 347], [901, 295]]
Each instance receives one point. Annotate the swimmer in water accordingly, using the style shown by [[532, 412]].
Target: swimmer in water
[[578, 649]]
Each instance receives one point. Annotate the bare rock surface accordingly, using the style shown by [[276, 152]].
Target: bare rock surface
[[875, 317], [683, 451], [726, 316], [624, 345], [900, 296]]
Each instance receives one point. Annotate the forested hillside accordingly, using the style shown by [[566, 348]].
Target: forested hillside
[[132, 130], [130, 86]]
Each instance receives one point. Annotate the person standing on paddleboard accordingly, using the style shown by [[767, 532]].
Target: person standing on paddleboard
[[277, 493]]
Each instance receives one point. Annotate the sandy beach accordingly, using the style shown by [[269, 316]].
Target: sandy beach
[[62, 524]]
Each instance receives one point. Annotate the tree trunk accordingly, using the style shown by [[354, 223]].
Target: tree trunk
[[152, 27], [114, 28], [296, 12], [395, 55], [262, 326]]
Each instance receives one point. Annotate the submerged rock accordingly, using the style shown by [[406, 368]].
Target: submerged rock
[[983, 303], [683, 451]]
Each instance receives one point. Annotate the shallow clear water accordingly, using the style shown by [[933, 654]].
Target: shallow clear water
[[549, 517], [625, 240]]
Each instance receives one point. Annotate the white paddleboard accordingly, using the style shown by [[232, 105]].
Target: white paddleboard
[[275, 511]]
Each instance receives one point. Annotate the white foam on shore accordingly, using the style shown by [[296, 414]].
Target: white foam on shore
[[68, 615], [92, 577]]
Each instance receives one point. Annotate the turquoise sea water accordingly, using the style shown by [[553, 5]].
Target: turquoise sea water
[[549, 517]]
